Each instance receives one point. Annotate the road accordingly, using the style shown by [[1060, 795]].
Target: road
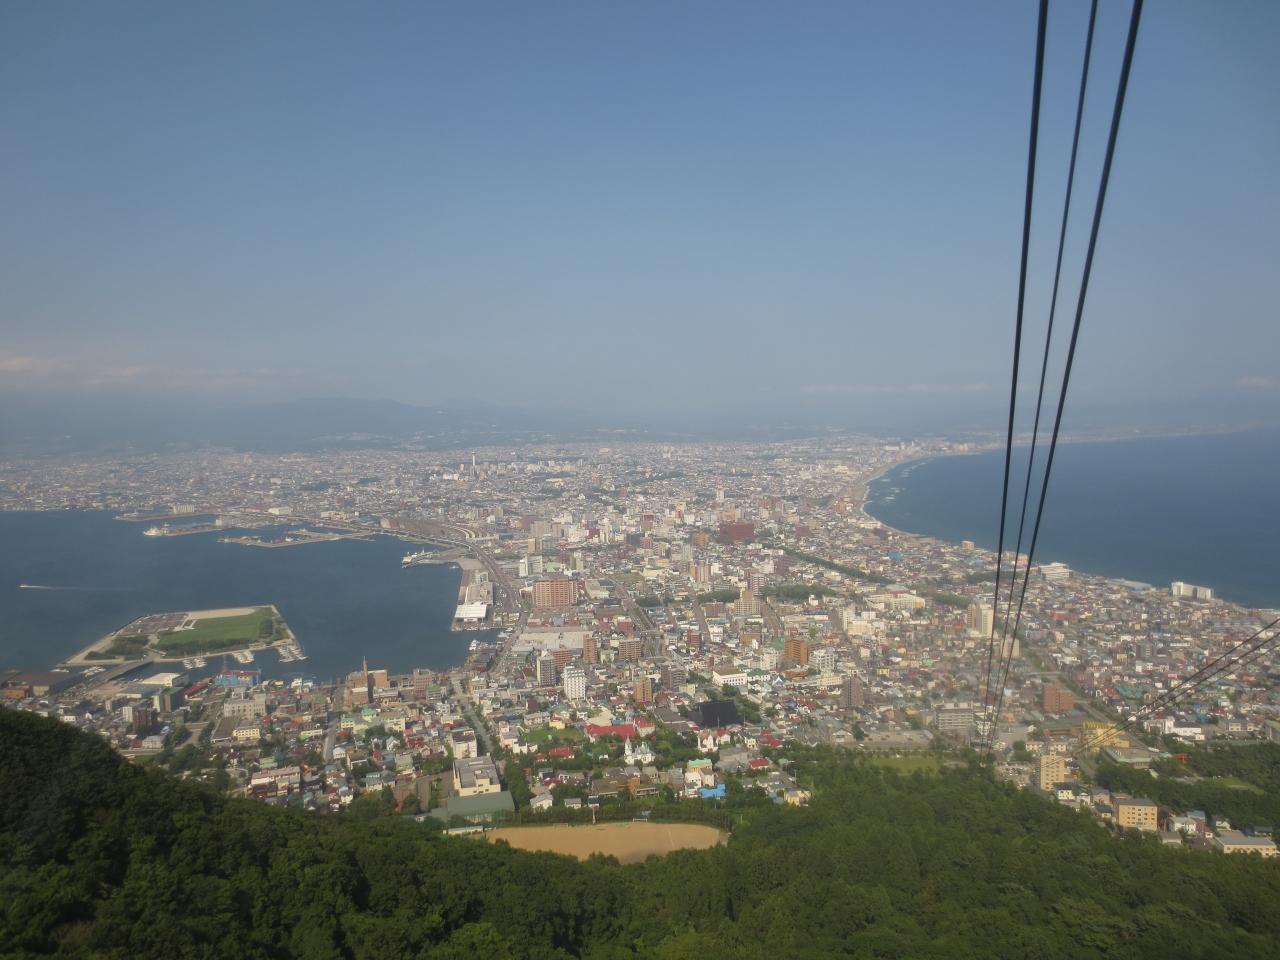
[[702, 623], [633, 609], [330, 738], [468, 711], [772, 621]]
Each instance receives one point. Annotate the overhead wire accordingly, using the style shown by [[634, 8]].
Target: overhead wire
[[1122, 86], [1032, 146], [1053, 309], [1228, 662]]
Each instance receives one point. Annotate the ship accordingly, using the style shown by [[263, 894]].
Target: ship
[[154, 532], [413, 559]]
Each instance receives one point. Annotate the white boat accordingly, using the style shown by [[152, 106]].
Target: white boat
[[243, 656], [154, 532], [413, 559]]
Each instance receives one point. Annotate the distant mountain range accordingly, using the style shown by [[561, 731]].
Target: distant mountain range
[[32, 427], [54, 424]]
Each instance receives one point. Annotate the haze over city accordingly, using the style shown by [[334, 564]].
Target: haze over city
[[615, 481], [650, 215]]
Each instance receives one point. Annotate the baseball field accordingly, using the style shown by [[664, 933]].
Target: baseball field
[[630, 842]]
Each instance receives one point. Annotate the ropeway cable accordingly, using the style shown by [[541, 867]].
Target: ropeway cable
[[1032, 145], [1053, 309], [1126, 66]]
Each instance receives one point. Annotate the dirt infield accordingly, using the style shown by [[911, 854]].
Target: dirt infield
[[630, 842]]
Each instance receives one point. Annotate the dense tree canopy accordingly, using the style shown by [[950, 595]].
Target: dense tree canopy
[[99, 857]]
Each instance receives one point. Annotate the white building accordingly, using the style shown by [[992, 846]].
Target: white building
[[823, 659], [980, 619], [736, 679], [575, 682]]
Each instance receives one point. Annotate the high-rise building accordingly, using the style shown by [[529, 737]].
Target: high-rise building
[[852, 695], [823, 659], [1190, 591], [643, 690], [562, 656], [1053, 771], [1058, 699], [589, 652], [554, 592], [674, 675], [747, 605], [954, 718], [796, 650], [546, 667], [575, 682], [980, 618], [630, 648]]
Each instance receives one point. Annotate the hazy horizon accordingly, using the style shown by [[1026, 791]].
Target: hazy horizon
[[655, 213]]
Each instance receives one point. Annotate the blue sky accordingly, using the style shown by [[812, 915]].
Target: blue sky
[[737, 206]]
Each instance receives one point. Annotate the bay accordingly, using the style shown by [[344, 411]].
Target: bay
[[1197, 508], [345, 600]]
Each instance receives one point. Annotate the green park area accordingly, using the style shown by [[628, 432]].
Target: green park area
[[547, 737], [217, 634], [1235, 783], [196, 634]]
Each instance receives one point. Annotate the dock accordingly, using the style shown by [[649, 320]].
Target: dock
[[296, 538]]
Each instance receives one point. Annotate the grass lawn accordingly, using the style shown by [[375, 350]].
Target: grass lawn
[[546, 735], [219, 633], [907, 763], [1235, 783]]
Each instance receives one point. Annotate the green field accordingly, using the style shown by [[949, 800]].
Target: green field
[[1235, 783], [218, 634], [908, 763], [546, 736]]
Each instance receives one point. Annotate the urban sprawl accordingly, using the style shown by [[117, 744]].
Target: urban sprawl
[[667, 621]]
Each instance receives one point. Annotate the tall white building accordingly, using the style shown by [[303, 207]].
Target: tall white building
[[575, 682], [980, 618]]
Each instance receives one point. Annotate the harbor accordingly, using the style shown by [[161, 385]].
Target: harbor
[[295, 538], [474, 609]]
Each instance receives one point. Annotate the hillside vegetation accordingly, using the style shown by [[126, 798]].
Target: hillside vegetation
[[99, 857]]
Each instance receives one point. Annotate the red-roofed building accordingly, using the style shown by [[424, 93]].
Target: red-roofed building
[[622, 730]]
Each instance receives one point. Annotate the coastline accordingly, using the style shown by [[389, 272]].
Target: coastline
[[1218, 585]]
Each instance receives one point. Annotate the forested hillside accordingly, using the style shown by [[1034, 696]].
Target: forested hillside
[[101, 858]]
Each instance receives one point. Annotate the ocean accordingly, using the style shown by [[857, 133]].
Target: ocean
[[344, 600], [1199, 508]]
